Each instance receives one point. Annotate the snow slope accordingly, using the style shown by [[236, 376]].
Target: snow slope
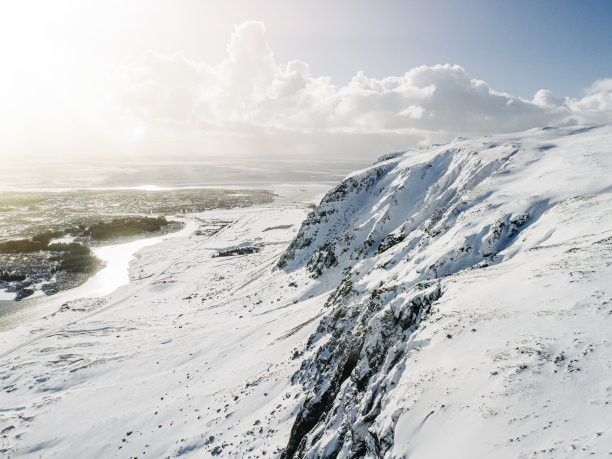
[[450, 301], [472, 311], [190, 359]]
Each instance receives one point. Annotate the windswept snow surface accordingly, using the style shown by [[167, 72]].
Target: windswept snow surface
[[454, 301]]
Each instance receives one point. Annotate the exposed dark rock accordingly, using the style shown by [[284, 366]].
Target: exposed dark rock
[[23, 293], [238, 251]]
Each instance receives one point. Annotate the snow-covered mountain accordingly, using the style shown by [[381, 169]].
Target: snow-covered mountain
[[452, 301], [470, 304]]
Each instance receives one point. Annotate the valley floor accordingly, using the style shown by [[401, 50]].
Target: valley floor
[[191, 358]]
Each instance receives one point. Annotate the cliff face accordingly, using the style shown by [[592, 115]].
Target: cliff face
[[392, 240]]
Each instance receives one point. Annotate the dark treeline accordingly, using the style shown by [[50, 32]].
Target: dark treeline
[[118, 227], [74, 258], [59, 264], [100, 231], [11, 276]]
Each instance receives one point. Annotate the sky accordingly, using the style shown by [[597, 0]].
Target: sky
[[187, 79]]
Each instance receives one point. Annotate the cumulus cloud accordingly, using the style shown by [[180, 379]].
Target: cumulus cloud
[[596, 105], [599, 86], [251, 104]]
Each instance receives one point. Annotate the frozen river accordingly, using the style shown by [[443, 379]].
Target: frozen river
[[114, 275]]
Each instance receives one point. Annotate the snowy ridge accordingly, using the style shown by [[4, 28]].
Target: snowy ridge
[[390, 237], [453, 301]]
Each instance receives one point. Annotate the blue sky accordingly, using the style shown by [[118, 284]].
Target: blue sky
[[195, 78], [516, 46]]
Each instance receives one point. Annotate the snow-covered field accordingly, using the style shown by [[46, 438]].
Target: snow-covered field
[[454, 301], [193, 356]]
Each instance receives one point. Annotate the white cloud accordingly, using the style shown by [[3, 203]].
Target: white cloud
[[251, 104], [596, 105], [545, 99], [599, 86]]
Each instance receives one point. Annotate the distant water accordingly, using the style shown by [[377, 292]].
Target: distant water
[[62, 176]]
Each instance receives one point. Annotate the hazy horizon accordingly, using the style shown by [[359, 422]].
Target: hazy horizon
[[88, 81], [48, 175]]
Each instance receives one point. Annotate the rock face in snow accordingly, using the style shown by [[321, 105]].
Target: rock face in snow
[[390, 240]]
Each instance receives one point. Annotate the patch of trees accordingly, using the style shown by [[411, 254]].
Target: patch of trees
[[101, 231], [46, 236], [35, 244], [20, 246], [130, 226], [11, 276], [75, 258], [23, 293]]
